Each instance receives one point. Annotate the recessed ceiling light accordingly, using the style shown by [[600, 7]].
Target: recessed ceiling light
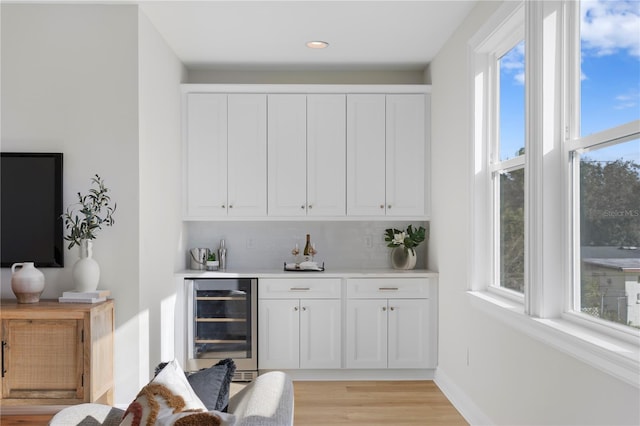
[[317, 44]]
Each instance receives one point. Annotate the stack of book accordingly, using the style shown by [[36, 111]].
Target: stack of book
[[84, 296]]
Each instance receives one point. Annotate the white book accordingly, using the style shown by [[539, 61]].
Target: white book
[[81, 299], [86, 294]]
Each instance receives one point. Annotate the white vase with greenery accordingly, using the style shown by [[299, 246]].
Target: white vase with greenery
[[403, 255], [83, 219]]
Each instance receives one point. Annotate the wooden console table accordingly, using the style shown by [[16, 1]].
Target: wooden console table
[[56, 353]]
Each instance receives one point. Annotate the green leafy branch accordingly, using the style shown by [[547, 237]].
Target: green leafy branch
[[408, 239], [87, 217]]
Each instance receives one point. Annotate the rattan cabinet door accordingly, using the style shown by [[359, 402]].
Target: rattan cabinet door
[[42, 359]]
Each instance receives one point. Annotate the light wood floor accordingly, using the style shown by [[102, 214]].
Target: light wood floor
[[369, 403], [373, 403]]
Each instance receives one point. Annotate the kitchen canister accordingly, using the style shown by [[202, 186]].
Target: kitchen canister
[[27, 282], [198, 258]]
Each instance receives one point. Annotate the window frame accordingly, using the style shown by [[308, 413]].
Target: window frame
[[544, 312], [488, 51]]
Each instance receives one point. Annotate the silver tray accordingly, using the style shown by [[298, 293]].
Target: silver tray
[[303, 270]]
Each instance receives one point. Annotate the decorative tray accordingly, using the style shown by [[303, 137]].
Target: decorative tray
[[295, 267]]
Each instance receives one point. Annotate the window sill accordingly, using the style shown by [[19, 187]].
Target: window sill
[[613, 356]]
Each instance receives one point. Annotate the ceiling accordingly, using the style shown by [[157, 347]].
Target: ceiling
[[271, 35]]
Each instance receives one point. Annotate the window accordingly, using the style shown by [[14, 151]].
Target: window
[[556, 176], [509, 169], [605, 156], [500, 76]]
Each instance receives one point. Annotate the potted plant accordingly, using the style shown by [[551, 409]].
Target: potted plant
[[212, 263], [403, 255], [83, 220]]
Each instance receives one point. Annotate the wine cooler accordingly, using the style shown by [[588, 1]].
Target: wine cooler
[[222, 315]]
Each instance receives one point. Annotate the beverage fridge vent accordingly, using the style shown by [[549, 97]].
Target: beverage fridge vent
[[244, 376]]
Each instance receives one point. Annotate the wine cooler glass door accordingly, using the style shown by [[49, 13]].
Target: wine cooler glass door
[[224, 315]]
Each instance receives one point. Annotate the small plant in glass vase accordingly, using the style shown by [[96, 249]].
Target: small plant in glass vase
[[403, 255], [83, 220]]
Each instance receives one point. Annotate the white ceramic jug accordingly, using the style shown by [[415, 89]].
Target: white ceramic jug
[[27, 283]]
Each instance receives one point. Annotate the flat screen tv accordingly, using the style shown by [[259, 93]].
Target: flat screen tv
[[30, 209]]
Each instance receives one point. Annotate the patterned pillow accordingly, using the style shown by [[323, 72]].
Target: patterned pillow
[[211, 384], [168, 393], [207, 418]]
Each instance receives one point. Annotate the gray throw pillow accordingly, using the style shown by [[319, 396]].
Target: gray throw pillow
[[212, 384]]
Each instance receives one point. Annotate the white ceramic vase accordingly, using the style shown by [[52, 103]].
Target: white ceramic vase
[[402, 258], [27, 283], [86, 271]]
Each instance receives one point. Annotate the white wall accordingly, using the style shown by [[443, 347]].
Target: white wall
[[502, 376], [161, 247], [305, 77], [70, 85]]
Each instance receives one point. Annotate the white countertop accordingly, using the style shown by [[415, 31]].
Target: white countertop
[[280, 273]]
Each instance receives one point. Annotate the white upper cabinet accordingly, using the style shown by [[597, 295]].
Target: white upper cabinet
[[287, 154], [306, 152], [326, 155], [366, 179], [247, 155], [225, 155], [405, 154], [387, 155], [205, 153]]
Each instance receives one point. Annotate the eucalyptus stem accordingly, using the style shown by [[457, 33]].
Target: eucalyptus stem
[[84, 218]]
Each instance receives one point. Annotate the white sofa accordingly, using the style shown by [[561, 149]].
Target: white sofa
[[267, 401]]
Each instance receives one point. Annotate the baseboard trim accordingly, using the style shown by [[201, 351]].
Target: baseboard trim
[[460, 400], [367, 374]]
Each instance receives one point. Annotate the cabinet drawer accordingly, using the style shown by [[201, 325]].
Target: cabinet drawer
[[299, 288], [388, 288]]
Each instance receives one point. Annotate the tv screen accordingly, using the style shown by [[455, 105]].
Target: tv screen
[[30, 209]]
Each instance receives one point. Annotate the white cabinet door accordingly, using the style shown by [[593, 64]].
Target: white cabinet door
[[287, 155], [405, 155], [279, 334], [366, 155], [205, 156], [320, 333], [410, 334], [366, 338], [326, 156], [386, 155], [247, 155]]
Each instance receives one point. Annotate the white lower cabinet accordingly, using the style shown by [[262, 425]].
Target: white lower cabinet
[[299, 323], [383, 331], [389, 323]]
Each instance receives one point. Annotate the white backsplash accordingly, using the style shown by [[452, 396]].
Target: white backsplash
[[340, 245]]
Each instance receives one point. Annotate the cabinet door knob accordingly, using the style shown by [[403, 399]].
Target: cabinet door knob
[[382, 206], [295, 309], [391, 308], [302, 207], [222, 206], [310, 206], [304, 308], [230, 206], [389, 206], [384, 308]]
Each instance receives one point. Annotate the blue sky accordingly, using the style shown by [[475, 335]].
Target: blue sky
[[610, 86]]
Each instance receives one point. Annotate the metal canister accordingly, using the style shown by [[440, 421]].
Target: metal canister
[[198, 258]]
